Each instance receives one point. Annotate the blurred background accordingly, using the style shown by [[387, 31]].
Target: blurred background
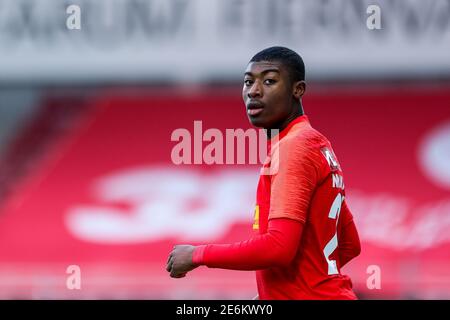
[[86, 118]]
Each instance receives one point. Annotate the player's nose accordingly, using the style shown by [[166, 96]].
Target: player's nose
[[255, 90]]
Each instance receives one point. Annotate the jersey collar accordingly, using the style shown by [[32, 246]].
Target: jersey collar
[[285, 131]]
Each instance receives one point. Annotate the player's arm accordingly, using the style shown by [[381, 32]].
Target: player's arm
[[349, 243], [277, 247], [292, 186]]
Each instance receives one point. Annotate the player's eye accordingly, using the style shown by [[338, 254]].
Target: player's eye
[[248, 82], [269, 81]]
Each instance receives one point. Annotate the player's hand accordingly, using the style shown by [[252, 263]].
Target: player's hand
[[180, 261]]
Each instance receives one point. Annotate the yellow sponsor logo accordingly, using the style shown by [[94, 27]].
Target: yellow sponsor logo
[[256, 218]]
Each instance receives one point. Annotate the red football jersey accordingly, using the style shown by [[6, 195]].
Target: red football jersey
[[302, 180]]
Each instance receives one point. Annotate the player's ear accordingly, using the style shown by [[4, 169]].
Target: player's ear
[[299, 89]]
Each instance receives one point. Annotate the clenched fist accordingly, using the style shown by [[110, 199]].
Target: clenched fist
[[180, 261]]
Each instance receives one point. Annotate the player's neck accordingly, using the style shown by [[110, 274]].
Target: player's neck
[[297, 112]]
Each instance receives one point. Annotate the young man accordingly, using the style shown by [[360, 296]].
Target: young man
[[303, 230]]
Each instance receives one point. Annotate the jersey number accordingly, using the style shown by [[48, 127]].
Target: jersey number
[[333, 243]]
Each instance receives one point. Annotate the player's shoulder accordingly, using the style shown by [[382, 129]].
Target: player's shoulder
[[306, 144], [305, 138]]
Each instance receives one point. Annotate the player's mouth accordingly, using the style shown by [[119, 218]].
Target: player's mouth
[[254, 108]]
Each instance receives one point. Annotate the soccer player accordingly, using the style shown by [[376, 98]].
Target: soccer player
[[303, 229]]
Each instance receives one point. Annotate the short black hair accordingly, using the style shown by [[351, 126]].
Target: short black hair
[[289, 58]]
